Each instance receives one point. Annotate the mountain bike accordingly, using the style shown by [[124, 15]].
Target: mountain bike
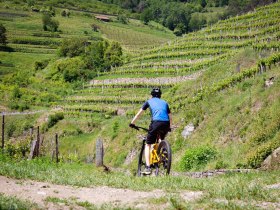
[[160, 156]]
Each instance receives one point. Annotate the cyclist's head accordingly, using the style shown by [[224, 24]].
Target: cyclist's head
[[156, 92]]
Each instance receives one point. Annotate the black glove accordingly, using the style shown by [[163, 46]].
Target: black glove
[[169, 130], [132, 125]]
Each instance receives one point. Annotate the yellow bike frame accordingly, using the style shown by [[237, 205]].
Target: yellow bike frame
[[154, 158]]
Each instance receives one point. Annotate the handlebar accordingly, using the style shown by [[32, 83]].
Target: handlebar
[[138, 127]]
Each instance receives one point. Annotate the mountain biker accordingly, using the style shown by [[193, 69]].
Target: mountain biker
[[160, 124]]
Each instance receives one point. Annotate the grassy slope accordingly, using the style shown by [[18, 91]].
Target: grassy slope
[[229, 119], [217, 117]]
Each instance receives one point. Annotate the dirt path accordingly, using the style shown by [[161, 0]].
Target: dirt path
[[40, 192]]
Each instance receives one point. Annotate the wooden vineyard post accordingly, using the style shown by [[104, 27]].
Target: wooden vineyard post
[[34, 144], [37, 146], [99, 153], [3, 131], [56, 148], [31, 135], [31, 144]]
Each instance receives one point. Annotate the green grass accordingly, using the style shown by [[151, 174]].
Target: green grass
[[72, 203], [21, 61], [248, 188], [13, 203], [72, 144]]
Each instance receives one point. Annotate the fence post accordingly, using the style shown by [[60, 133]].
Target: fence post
[[31, 134], [56, 148], [32, 149], [37, 146], [99, 153], [3, 131]]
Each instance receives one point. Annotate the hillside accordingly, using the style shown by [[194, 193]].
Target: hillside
[[30, 48], [214, 80], [222, 84]]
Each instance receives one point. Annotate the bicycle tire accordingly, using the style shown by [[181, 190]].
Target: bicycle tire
[[165, 154], [141, 161]]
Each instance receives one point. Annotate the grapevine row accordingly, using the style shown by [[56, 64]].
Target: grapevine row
[[34, 41], [194, 53], [131, 85], [107, 100], [201, 45], [229, 82], [175, 71]]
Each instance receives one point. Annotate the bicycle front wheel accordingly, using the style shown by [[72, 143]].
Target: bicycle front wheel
[[165, 156]]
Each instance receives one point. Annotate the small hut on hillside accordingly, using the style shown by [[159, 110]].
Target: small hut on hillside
[[102, 18]]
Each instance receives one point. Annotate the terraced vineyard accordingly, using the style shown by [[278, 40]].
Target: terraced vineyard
[[184, 60], [25, 35], [197, 73]]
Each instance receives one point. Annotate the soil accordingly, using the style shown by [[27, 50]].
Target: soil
[[38, 192]]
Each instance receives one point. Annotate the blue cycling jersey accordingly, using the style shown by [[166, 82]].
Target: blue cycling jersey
[[159, 109]]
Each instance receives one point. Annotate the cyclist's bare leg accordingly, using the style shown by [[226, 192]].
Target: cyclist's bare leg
[[147, 154]]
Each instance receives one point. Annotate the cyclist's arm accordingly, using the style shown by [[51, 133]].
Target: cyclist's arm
[[137, 116], [170, 119]]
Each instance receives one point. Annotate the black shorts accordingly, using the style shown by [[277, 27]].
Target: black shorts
[[157, 128]]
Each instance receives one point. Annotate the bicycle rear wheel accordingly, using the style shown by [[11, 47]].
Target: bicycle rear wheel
[[141, 161], [164, 153]]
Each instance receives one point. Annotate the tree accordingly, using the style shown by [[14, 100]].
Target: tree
[[72, 47], [180, 29], [203, 3], [197, 21], [113, 55], [49, 24], [73, 69], [122, 18], [3, 37], [146, 16], [101, 55], [94, 57], [141, 6]]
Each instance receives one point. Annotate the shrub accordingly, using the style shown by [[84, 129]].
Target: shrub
[[122, 19], [257, 156], [197, 21], [113, 54], [39, 65], [10, 130], [72, 47], [53, 119], [70, 70], [49, 24], [221, 164], [65, 13], [73, 69], [18, 149], [197, 157], [30, 3], [95, 27]]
